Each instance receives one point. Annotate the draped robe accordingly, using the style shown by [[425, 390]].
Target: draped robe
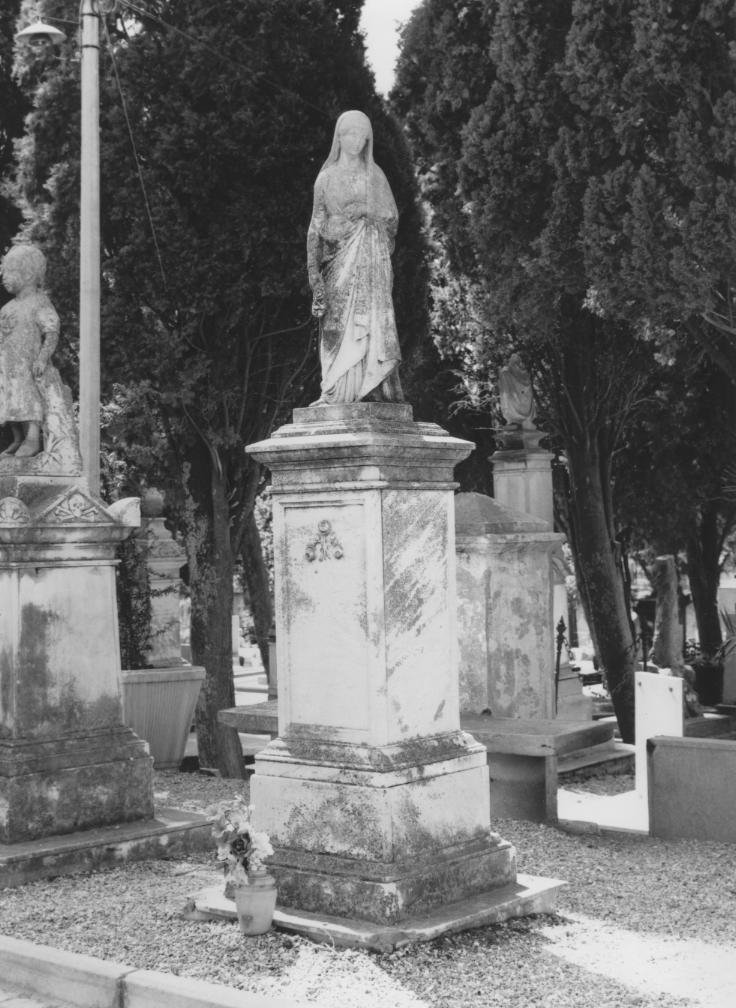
[[349, 246]]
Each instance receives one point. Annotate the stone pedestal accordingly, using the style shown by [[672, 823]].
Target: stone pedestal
[[376, 802], [507, 586], [522, 483], [505, 591], [67, 762], [522, 480]]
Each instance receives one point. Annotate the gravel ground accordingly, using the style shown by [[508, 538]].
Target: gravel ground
[[641, 923]]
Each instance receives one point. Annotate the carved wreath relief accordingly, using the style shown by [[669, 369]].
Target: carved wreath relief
[[325, 545]]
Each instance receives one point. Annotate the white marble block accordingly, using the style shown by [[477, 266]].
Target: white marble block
[[67, 762], [506, 582], [377, 803]]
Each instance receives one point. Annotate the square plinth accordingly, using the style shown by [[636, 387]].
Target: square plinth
[[53, 787]]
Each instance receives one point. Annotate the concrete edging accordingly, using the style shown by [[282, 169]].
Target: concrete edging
[[88, 982]]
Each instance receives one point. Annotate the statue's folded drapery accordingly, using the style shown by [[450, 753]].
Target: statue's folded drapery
[[349, 250]]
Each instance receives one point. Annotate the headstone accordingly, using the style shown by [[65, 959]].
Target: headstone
[[658, 711]]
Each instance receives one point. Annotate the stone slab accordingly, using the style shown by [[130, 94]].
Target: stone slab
[[80, 980], [149, 989], [528, 895], [535, 736], [171, 833], [523, 736], [253, 719], [692, 785], [41, 976]]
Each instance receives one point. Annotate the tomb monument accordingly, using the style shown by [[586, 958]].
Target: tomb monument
[[375, 799], [67, 761]]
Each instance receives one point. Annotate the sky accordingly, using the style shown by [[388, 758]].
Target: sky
[[380, 22]]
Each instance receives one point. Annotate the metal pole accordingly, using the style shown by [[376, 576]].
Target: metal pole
[[89, 251]]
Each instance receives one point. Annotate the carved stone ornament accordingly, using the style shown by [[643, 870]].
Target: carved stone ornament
[[325, 545], [74, 507], [14, 512]]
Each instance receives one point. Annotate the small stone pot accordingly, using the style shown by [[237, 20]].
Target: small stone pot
[[256, 903]]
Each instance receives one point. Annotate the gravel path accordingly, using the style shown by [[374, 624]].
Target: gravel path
[[641, 923]]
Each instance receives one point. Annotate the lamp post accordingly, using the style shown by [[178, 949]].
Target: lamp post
[[89, 250], [40, 34]]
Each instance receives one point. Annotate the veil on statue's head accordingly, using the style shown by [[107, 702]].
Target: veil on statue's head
[[346, 121]]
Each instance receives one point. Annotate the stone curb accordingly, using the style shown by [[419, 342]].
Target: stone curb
[[87, 982]]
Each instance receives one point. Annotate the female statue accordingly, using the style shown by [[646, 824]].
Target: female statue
[[515, 391], [349, 246], [29, 331]]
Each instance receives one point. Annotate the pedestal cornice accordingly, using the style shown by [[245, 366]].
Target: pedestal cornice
[[360, 444]]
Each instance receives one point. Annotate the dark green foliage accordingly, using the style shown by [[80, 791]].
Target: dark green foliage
[[207, 339], [583, 151], [12, 110]]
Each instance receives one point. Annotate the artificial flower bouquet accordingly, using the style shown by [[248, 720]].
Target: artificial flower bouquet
[[241, 848]]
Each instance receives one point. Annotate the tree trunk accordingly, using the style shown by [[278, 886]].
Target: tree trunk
[[211, 581], [602, 583], [256, 580], [703, 549]]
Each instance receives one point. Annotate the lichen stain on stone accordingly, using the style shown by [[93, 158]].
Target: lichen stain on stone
[[7, 675], [401, 722], [297, 601], [438, 712], [43, 705], [337, 825], [413, 838], [415, 535], [35, 679]]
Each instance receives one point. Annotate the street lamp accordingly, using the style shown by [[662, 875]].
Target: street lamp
[[43, 35]]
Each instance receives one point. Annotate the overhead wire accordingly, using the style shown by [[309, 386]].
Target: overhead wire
[[222, 57], [136, 158], [142, 12]]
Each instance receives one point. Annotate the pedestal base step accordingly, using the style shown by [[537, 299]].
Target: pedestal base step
[[172, 832], [528, 895]]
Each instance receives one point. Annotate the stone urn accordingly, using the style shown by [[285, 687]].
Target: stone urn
[[159, 701]]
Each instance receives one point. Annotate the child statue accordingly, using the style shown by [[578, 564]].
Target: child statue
[[349, 246], [29, 332]]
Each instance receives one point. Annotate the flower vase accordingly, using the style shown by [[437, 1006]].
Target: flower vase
[[256, 903]]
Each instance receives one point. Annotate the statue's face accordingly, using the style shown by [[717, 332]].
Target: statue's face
[[16, 273], [353, 140], [12, 276]]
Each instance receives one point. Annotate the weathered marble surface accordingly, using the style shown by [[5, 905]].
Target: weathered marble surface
[[377, 802], [66, 760], [505, 591], [508, 602], [522, 481]]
